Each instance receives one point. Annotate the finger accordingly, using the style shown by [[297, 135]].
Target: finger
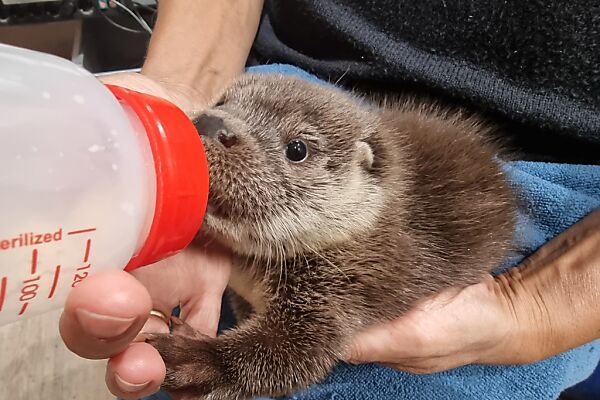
[[431, 365], [203, 312], [154, 324], [411, 369], [396, 340], [163, 280], [372, 345], [103, 314], [204, 316], [133, 81], [421, 369], [195, 280], [181, 96], [409, 337], [136, 372]]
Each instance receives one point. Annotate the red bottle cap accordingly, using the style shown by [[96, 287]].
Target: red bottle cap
[[181, 175]]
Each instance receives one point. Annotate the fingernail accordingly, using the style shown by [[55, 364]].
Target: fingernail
[[103, 326], [128, 386]]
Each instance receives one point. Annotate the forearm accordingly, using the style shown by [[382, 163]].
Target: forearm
[[554, 296], [198, 46]]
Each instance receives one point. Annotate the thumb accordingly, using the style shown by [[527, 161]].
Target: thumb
[[408, 336], [373, 345], [201, 309], [202, 312]]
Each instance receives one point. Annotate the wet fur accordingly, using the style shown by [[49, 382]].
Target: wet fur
[[396, 202]]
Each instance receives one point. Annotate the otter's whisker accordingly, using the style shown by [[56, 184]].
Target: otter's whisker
[[322, 257]]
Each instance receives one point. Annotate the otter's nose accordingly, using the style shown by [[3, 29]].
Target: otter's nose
[[215, 128]]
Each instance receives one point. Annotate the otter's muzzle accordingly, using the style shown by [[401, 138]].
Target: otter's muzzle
[[215, 128]]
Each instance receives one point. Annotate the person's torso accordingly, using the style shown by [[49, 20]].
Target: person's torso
[[534, 67]]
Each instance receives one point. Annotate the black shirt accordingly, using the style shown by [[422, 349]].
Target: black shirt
[[533, 66]]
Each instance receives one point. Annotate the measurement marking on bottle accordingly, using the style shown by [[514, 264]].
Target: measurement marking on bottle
[[54, 282], [30, 290], [80, 275], [34, 258], [23, 308], [81, 231], [3, 291], [88, 245], [37, 278]]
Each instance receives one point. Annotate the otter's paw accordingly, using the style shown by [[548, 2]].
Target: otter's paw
[[192, 369]]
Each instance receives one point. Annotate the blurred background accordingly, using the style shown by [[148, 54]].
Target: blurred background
[[102, 36]]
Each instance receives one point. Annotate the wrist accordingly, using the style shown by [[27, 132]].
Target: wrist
[[506, 337], [529, 326], [197, 49], [551, 299], [189, 83], [187, 94], [188, 74]]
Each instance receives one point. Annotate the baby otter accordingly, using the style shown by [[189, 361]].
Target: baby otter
[[341, 214]]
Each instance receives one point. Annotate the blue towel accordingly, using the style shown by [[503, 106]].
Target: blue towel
[[553, 197]]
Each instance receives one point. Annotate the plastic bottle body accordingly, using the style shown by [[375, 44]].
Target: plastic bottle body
[[77, 181]]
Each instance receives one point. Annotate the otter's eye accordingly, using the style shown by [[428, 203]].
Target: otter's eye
[[296, 151]]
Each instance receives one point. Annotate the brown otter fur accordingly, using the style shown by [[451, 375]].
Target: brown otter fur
[[393, 203]]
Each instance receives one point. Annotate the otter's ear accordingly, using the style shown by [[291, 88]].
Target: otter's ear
[[364, 154]]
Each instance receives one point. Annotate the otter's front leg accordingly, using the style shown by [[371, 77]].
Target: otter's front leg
[[284, 349]]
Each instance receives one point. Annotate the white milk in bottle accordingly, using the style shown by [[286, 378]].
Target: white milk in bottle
[[91, 178]]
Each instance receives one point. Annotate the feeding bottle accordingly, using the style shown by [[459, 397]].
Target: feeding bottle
[[92, 177]]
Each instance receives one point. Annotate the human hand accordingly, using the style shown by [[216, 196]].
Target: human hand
[[107, 315], [544, 306], [453, 328], [187, 97]]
